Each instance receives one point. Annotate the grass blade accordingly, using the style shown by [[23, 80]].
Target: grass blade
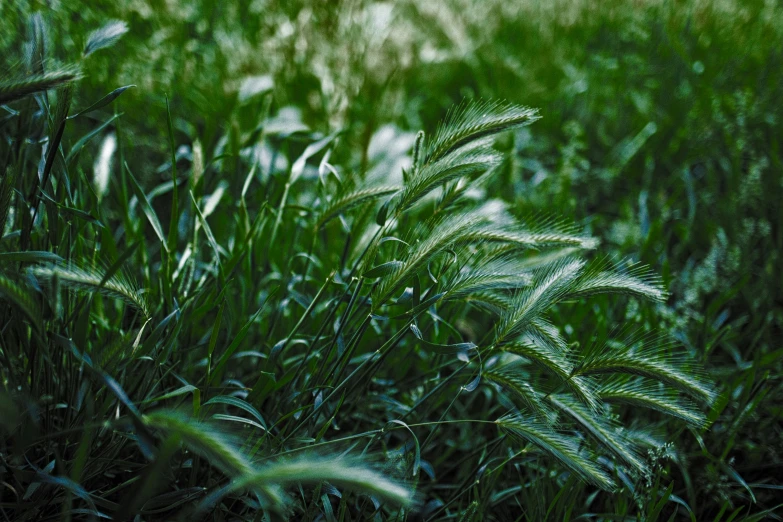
[[146, 207], [103, 102]]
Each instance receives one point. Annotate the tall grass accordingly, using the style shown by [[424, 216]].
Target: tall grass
[[258, 310]]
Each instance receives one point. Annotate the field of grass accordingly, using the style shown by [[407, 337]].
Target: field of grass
[[337, 261]]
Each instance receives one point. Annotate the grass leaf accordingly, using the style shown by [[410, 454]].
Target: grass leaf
[[146, 207], [103, 102]]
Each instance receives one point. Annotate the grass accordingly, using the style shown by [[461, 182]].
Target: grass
[[260, 298]]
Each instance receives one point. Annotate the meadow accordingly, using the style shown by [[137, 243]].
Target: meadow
[[359, 260]]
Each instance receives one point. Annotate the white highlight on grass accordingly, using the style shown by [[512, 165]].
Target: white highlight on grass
[[102, 167]]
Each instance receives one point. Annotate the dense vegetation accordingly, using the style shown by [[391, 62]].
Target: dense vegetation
[[321, 261]]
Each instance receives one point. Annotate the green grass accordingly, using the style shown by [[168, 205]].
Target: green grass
[[241, 290]]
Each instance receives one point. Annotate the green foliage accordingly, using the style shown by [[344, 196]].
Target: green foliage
[[241, 291]]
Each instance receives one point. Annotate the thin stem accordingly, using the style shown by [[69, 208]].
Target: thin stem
[[372, 433], [278, 220]]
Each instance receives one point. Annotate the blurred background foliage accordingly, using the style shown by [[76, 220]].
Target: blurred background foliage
[[661, 131]]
